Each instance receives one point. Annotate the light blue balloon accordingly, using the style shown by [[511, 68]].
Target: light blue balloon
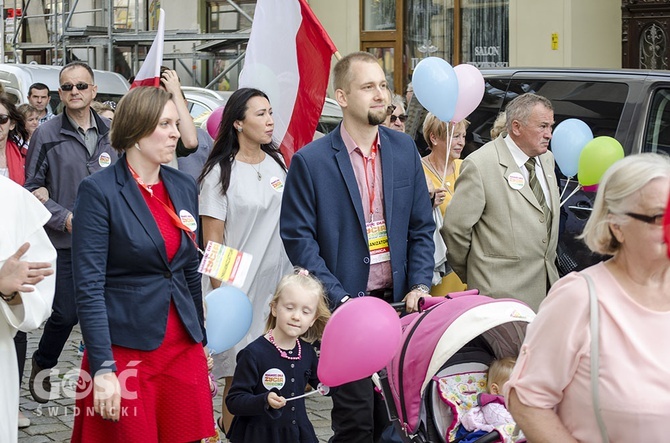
[[228, 318], [567, 142], [436, 87]]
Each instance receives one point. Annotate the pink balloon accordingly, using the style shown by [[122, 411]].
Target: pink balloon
[[360, 339], [214, 121], [470, 90]]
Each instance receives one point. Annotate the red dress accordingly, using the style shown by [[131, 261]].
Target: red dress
[[166, 396]]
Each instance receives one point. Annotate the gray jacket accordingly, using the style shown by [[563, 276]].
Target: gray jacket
[[58, 160]]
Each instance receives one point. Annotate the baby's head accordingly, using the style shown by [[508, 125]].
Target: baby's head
[[310, 293], [498, 374]]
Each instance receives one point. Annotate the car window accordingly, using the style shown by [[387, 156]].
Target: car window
[[598, 104], [657, 137], [328, 124], [481, 120], [197, 109]]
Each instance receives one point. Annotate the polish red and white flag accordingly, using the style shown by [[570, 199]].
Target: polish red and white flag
[[150, 71], [288, 57]]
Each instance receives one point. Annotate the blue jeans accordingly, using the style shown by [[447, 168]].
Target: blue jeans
[[63, 315]]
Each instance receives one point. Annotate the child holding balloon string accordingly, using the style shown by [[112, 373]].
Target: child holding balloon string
[[278, 365]]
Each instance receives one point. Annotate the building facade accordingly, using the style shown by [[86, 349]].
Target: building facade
[[205, 39]]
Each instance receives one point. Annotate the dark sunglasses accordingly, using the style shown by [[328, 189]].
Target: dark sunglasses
[[4, 118], [80, 86], [402, 118], [648, 219]]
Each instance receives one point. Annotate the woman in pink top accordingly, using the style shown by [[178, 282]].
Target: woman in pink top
[[549, 392]]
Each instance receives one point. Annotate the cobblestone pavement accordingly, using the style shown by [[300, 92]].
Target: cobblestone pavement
[[52, 422]]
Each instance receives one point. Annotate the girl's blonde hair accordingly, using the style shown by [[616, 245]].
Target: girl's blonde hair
[[500, 371], [308, 282]]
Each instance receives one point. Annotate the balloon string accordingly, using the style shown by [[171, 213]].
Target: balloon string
[[450, 133], [316, 391], [565, 188], [571, 194]]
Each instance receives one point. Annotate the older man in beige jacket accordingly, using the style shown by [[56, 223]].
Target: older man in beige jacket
[[501, 227]]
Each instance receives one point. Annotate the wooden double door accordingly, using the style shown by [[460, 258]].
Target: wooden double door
[[645, 34]]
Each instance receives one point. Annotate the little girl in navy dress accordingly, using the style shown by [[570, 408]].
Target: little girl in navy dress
[[278, 366]]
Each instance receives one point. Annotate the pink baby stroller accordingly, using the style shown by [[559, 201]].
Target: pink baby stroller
[[442, 361]]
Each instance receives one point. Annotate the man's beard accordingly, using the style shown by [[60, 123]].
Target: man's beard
[[376, 119]]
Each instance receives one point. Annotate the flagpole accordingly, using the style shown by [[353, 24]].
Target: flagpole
[[337, 55]]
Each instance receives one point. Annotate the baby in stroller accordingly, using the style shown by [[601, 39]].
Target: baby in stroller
[[441, 368], [490, 411]]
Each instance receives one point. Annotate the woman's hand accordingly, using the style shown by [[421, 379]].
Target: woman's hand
[[440, 195], [276, 401], [107, 396]]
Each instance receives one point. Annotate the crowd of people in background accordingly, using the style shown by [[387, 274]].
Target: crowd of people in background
[[128, 193]]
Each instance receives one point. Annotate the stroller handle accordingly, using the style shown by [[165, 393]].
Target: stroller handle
[[429, 302]]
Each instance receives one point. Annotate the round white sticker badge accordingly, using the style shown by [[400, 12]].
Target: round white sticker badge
[[277, 184], [274, 378], [104, 160], [188, 220], [516, 180]]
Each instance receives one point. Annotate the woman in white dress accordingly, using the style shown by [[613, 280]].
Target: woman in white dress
[[240, 199], [26, 258]]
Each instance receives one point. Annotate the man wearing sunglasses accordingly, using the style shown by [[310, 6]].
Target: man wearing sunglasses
[[63, 151]]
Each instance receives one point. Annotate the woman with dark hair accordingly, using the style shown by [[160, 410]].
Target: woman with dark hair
[[12, 133], [240, 199], [137, 287]]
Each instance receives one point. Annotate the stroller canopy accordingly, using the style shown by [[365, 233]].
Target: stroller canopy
[[431, 337]]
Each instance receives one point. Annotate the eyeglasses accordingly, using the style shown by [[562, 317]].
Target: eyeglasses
[[401, 117], [648, 219], [4, 118], [80, 86]]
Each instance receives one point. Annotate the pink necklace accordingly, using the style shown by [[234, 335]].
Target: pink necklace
[[283, 353]]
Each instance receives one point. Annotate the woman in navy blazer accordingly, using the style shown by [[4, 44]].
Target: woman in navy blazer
[[138, 289]]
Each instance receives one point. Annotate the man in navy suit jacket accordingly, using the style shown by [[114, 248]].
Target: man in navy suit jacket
[[356, 213]]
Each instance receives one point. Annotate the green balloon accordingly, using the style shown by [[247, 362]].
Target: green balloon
[[596, 157]]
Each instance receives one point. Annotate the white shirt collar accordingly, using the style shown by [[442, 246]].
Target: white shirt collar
[[520, 157]]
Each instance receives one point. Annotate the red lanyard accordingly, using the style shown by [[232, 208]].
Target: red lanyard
[[371, 187], [173, 215]]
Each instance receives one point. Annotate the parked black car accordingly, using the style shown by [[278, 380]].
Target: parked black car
[[632, 106]]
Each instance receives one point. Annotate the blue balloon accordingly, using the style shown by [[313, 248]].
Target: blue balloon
[[436, 87], [567, 142], [228, 318]]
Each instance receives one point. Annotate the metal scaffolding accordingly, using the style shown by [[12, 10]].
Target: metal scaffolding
[[45, 27]]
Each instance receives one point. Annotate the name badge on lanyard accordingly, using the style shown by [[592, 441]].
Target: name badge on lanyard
[[378, 242]]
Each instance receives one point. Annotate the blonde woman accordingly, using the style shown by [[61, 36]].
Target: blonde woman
[[443, 175]]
